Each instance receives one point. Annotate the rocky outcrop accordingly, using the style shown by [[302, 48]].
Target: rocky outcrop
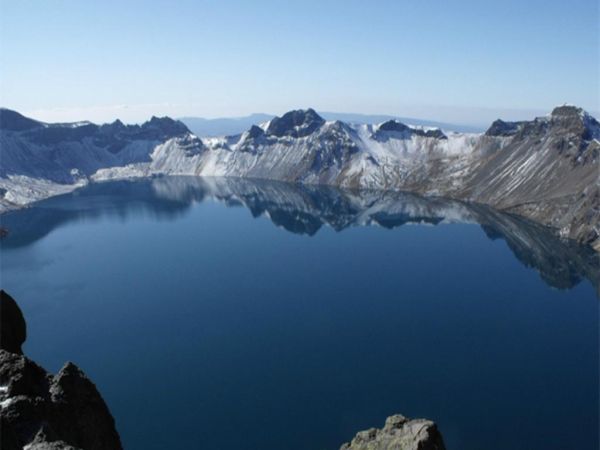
[[501, 128], [298, 123], [13, 330], [42, 411], [399, 433], [406, 131]]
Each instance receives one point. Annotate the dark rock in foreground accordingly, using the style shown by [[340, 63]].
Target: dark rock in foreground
[[399, 433], [44, 411], [13, 330]]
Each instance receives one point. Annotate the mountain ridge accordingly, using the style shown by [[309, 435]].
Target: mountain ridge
[[222, 126], [545, 169]]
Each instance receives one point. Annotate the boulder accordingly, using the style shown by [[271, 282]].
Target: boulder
[[399, 433]]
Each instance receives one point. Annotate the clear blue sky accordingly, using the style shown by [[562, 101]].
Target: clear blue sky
[[463, 60]]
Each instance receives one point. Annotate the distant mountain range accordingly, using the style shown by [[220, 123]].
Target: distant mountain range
[[235, 125], [545, 169]]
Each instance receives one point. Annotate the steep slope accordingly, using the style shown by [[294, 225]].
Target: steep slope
[[38, 159], [548, 172], [61, 152], [545, 169]]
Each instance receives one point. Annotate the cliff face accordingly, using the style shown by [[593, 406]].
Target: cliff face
[[42, 411]]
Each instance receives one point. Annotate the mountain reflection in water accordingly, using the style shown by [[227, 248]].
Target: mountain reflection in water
[[304, 209]]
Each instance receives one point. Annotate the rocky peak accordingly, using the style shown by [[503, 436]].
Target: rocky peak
[[396, 126], [115, 128], [501, 128], [562, 119], [569, 114], [432, 133], [116, 135], [572, 121], [251, 139], [567, 111], [13, 121], [163, 127], [297, 123], [255, 132], [118, 125]]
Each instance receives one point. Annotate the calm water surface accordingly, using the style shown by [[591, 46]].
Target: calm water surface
[[221, 314]]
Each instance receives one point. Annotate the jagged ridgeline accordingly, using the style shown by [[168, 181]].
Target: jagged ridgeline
[[545, 169]]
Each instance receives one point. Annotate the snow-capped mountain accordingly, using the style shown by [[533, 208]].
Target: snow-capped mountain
[[545, 169]]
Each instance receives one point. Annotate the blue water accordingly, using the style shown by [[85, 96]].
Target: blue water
[[231, 318]]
